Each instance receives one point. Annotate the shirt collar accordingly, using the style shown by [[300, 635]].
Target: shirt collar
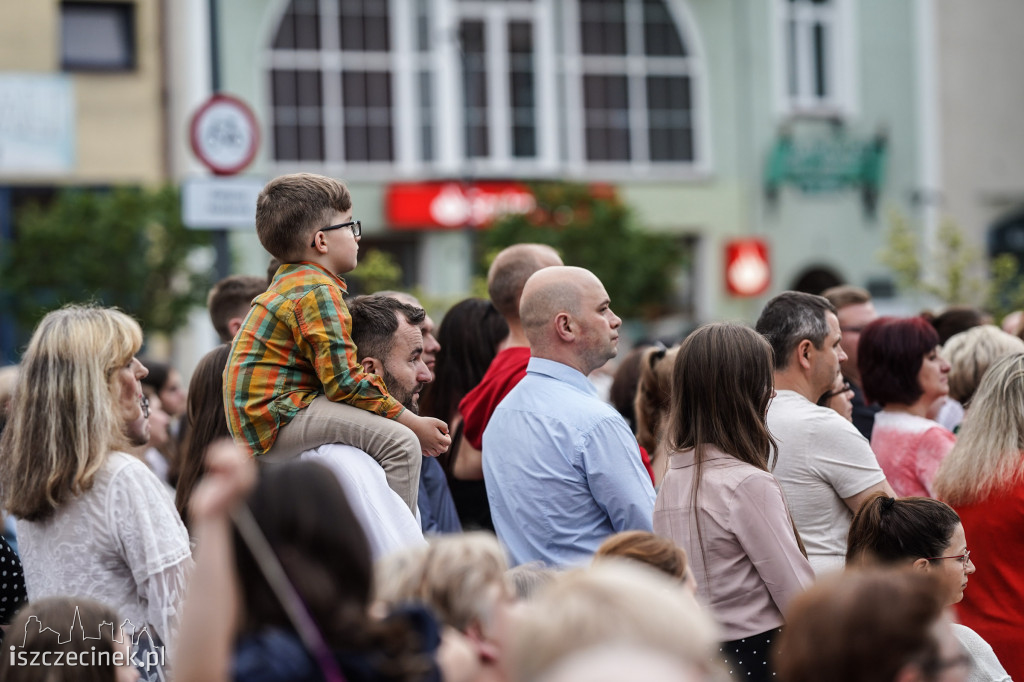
[[557, 370], [687, 458], [291, 267]]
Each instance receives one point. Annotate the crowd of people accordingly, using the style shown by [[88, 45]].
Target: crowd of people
[[348, 492]]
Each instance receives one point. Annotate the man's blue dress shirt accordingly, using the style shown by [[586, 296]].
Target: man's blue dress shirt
[[563, 471]]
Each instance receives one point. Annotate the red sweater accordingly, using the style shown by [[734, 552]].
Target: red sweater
[[993, 604], [507, 369]]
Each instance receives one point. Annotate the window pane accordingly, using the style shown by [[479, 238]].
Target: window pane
[[311, 143], [97, 36], [606, 102], [603, 26], [283, 90], [364, 25], [367, 115], [670, 128], [820, 63], [309, 88], [286, 143], [422, 25], [474, 89], [307, 25], [520, 45], [426, 115], [661, 37], [285, 38], [792, 69]]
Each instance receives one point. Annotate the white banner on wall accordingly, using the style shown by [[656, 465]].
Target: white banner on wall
[[219, 202], [37, 124]]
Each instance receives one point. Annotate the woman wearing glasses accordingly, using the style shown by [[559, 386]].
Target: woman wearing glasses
[[927, 535], [93, 521], [983, 479], [839, 398]]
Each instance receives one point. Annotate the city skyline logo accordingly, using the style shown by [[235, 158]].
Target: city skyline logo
[[133, 645]]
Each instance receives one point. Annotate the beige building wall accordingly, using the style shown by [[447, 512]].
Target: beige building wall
[[119, 115], [980, 47]]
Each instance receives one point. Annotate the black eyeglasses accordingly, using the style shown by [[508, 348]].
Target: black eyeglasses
[[145, 406], [357, 229], [825, 397]]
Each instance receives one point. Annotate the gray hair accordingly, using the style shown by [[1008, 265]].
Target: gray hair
[[791, 317]]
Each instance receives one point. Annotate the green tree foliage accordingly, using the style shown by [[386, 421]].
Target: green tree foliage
[[126, 248], [377, 271], [960, 274], [597, 232]]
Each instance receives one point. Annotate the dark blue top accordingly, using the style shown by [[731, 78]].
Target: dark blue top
[[278, 655]]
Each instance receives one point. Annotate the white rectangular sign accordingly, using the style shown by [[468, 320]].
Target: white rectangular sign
[[37, 124], [215, 202]]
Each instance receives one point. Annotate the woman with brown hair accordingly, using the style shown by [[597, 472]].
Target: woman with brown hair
[[719, 500], [205, 423], [652, 405], [283, 584], [926, 535]]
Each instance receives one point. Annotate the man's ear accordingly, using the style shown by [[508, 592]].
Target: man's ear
[[564, 327], [803, 353], [371, 365]]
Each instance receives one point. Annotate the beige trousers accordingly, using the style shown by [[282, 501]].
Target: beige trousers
[[392, 445]]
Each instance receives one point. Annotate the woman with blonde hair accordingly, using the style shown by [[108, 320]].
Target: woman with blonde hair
[[719, 500], [982, 478], [93, 521], [610, 604], [652, 404]]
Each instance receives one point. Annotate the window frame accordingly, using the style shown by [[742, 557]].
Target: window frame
[[840, 59], [558, 102], [125, 13], [639, 67]]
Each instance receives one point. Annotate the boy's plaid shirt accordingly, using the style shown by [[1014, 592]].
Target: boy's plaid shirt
[[296, 344]]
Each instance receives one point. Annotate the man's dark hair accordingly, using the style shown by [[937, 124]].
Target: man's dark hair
[[375, 321], [232, 297], [791, 317]]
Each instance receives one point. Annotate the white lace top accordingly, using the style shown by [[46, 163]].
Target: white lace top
[[121, 543]]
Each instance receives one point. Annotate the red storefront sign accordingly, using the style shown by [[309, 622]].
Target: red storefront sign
[[747, 268], [452, 205]]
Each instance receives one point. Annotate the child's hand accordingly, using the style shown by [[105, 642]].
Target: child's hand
[[433, 435]]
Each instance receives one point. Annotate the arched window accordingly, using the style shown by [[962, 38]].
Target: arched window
[[484, 87], [638, 83], [331, 71]]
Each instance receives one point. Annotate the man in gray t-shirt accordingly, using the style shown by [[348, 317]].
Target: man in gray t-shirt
[[825, 466]]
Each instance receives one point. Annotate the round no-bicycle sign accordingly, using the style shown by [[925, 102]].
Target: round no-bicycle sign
[[224, 134]]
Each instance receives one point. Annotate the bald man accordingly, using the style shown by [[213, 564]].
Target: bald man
[[563, 471], [505, 281]]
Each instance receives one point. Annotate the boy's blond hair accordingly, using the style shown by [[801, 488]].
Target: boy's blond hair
[[291, 208]]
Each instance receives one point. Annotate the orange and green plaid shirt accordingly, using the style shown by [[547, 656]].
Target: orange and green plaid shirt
[[294, 345]]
